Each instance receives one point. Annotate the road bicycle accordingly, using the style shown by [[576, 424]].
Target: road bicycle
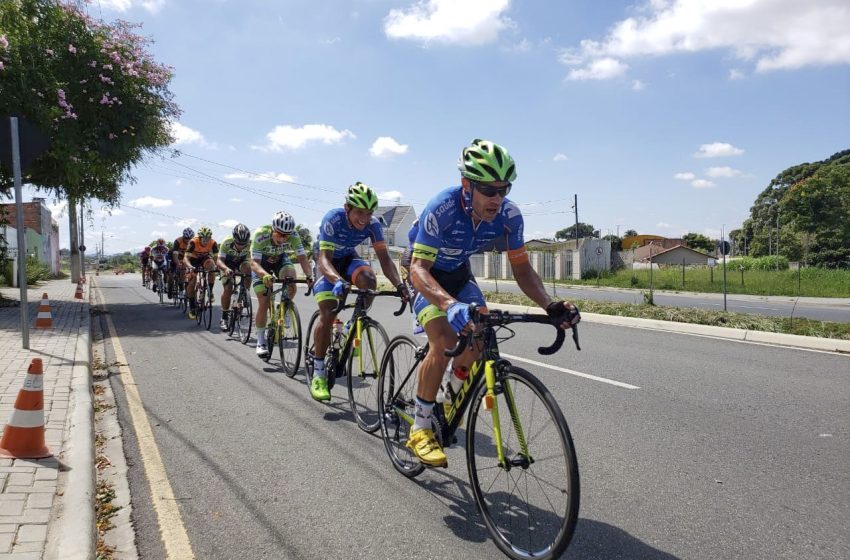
[[146, 276], [159, 284], [180, 300], [203, 298], [241, 317], [355, 352], [523, 472], [285, 330]]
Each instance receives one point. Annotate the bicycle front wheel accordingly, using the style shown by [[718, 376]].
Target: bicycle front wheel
[[530, 502], [364, 365], [160, 288], [289, 341], [200, 303], [208, 309], [309, 350], [397, 402]]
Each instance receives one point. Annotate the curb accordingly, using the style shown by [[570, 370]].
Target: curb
[[77, 535], [778, 339]]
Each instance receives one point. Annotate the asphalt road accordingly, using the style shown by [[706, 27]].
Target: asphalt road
[[838, 311], [725, 449]]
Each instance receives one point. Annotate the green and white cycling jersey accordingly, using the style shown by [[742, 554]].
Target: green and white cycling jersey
[[230, 254], [264, 249]]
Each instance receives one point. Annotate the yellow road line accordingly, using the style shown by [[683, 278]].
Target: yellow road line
[[174, 536]]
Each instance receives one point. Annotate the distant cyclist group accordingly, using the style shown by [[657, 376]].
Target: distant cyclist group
[[459, 367]]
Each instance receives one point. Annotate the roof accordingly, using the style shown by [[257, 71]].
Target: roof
[[642, 253], [392, 215]]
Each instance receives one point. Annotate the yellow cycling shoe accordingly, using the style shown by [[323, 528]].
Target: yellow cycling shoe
[[424, 445]]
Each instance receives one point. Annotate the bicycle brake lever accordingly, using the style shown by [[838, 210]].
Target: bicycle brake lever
[[575, 336]]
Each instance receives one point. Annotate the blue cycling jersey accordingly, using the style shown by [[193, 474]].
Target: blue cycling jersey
[[338, 235], [447, 237]]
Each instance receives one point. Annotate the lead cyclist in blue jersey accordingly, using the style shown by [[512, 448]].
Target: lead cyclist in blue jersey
[[456, 223]]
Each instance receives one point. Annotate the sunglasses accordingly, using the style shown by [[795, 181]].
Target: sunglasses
[[490, 191]]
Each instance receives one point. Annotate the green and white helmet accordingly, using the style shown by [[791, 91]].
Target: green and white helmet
[[486, 162], [361, 196]]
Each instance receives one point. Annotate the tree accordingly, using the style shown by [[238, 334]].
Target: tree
[[306, 238], [811, 204], [616, 242], [630, 233], [584, 230], [698, 241], [91, 87]]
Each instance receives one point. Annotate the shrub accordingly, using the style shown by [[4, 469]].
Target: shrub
[[36, 271]]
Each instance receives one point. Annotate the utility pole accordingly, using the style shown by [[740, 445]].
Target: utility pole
[[777, 239], [575, 207], [75, 251], [82, 241]]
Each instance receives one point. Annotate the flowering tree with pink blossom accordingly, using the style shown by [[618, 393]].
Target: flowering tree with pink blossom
[[92, 87]]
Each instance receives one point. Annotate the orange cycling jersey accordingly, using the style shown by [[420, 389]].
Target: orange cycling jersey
[[198, 249], [180, 245]]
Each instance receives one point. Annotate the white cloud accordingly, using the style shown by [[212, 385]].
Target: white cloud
[[776, 34], [58, 209], [523, 46], [267, 177], [152, 6], [183, 135], [151, 201], [735, 74], [392, 196], [331, 41], [157, 233], [600, 69], [664, 225], [107, 211], [463, 22], [560, 157], [229, 223], [123, 227], [686, 176], [386, 146], [702, 184], [718, 149], [186, 222], [235, 200], [637, 85], [288, 137], [722, 172]]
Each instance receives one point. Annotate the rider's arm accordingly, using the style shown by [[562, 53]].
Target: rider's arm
[[530, 284], [257, 268], [219, 262], [425, 284], [387, 264], [326, 267], [305, 266]]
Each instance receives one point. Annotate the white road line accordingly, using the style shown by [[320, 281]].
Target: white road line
[[571, 372], [174, 536]]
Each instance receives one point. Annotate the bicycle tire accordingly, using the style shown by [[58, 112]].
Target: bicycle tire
[[160, 288], [246, 317], [289, 342], [208, 310], [399, 358], [519, 528], [309, 351], [200, 301], [363, 380]]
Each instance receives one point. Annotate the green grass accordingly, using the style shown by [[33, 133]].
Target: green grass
[[800, 326], [813, 282]]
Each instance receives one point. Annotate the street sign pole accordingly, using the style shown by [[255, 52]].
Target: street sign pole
[[22, 234]]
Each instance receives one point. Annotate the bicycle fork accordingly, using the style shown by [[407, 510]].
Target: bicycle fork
[[491, 404]]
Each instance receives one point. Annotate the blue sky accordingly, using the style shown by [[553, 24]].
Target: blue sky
[[662, 116]]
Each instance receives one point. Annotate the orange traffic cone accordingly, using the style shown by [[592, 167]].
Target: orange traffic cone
[[23, 437], [44, 319], [79, 293]]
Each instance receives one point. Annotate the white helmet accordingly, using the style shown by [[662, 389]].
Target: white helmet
[[283, 222]]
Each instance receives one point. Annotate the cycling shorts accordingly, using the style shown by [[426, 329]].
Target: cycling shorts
[[277, 269], [348, 267], [460, 284]]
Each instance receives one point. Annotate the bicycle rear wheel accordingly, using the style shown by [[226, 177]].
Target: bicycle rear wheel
[[160, 287], [530, 506], [208, 309], [364, 365], [397, 402], [289, 342]]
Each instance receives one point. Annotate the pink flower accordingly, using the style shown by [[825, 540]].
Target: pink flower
[[72, 49], [4, 43], [107, 67], [49, 51], [93, 63], [2, 67], [104, 100], [61, 93]]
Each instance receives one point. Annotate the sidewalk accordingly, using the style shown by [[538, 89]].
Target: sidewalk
[[47, 505]]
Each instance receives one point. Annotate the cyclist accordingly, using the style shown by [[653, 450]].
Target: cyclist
[[145, 256], [233, 255], [269, 259], [202, 251], [455, 224], [178, 250], [341, 231], [159, 262]]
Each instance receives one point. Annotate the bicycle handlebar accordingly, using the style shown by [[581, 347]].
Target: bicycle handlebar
[[287, 281], [359, 291], [500, 318]]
